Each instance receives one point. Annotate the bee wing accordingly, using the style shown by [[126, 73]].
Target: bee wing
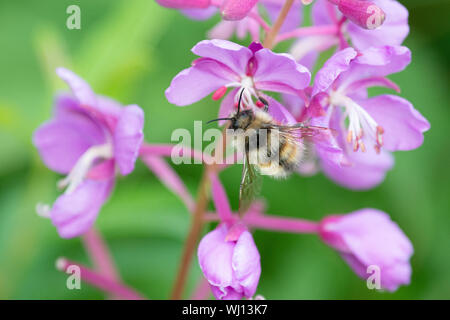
[[301, 130], [250, 186]]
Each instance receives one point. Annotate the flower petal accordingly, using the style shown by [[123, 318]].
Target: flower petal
[[366, 169], [63, 140], [246, 263], [227, 106], [196, 82], [392, 32], [231, 54], [360, 231], [293, 19], [377, 62], [227, 293], [281, 69], [79, 87], [279, 112], [128, 137], [332, 69], [75, 213], [236, 9], [200, 14], [215, 256], [403, 125]]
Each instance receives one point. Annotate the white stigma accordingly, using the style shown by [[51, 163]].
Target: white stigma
[[361, 122], [83, 165]]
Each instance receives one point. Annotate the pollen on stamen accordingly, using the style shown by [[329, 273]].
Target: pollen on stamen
[[259, 104], [363, 146], [219, 93], [349, 136]]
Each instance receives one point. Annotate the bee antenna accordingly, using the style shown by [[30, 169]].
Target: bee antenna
[[218, 119], [240, 99]]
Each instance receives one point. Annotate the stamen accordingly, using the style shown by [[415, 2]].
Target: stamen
[[361, 124], [219, 93], [83, 165], [43, 210]]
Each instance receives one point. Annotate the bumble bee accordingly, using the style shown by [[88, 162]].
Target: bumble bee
[[270, 148]]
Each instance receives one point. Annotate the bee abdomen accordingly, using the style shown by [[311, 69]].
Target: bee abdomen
[[290, 154]]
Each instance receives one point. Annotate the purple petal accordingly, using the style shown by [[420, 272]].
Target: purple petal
[[337, 64], [293, 19], [223, 30], [280, 69], [215, 256], [294, 104], [364, 245], [62, 141], [322, 13], [360, 231], [227, 106], [232, 55], [364, 171], [128, 138], [169, 177], [377, 62], [403, 125], [227, 293], [278, 111], [196, 82], [79, 87], [236, 9], [75, 213], [355, 170], [105, 170], [200, 14], [246, 263], [393, 31]]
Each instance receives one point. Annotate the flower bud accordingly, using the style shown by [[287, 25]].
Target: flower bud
[[365, 14], [368, 239], [230, 262], [184, 4], [236, 9]]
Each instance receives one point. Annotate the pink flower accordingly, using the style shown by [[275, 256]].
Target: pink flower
[[375, 125], [365, 14], [392, 32], [230, 261], [224, 64], [89, 138], [368, 237]]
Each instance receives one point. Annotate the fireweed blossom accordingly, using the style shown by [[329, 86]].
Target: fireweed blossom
[[366, 129], [368, 237], [228, 256], [224, 64], [392, 31], [89, 138], [230, 262]]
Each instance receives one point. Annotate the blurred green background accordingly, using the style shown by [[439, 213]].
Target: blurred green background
[[130, 50]]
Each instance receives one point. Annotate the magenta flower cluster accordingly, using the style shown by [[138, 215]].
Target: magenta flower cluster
[[92, 139]]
